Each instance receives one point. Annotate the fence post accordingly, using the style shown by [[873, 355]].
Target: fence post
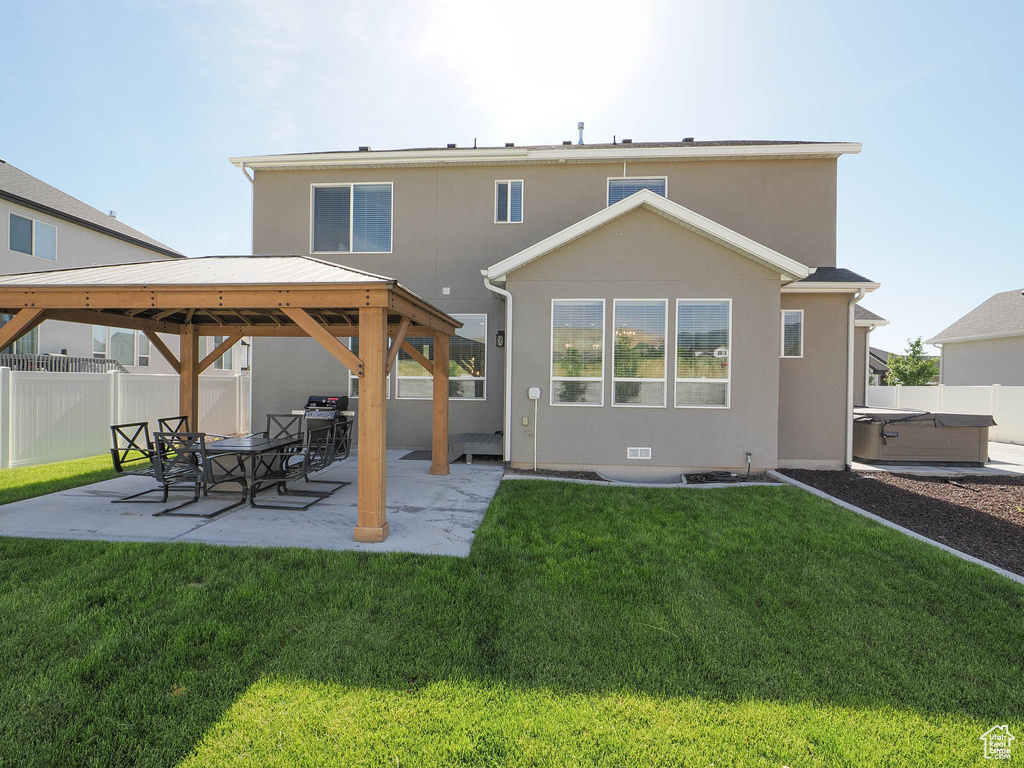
[[898, 388], [942, 397], [5, 418], [115, 392], [995, 403]]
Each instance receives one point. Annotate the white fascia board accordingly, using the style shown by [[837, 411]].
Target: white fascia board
[[519, 154], [811, 287], [978, 337], [684, 217], [866, 323]]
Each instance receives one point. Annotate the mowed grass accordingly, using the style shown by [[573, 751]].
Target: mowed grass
[[589, 626], [26, 482]]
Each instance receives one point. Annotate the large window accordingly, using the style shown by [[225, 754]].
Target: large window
[[620, 189], [792, 333], [508, 202], [703, 344], [467, 364], [33, 238], [414, 383], [26, 345], [351, 218], [638, 355], [577, 352]]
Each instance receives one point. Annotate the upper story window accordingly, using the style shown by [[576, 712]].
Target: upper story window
[[792, 333], [577, 352], [351, 218], [508, 202], [620, 189], [33, 238], [703, 344], [638, 357]]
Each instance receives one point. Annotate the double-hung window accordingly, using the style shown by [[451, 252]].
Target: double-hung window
[[226, 361], [467, 359], [142, 342], [638, 355], [620, 189], [792, 333], [26, 345], [703, 346], [33, 238], [351, 218], [577, 352], [508, 202]]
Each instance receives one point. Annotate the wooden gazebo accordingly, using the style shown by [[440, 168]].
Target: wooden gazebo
[[237, 296]]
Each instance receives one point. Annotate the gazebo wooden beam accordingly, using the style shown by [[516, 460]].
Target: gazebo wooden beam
[[219, 350], [371, 522], [416, 355], [396, 342], [23, 322], [188, 377], [164, 351], [111, 319], [439, 428], [320, 334]]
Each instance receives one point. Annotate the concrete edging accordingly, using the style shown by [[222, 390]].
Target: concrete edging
[[889, 524], [513, 476]]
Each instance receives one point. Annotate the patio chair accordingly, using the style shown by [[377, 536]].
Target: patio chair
[[339, 443], [179, 424], [281, 425], [132, 454], [283, 466], [182, 463]]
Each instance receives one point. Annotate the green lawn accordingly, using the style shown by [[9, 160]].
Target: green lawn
[[589, 626], [26, 482]]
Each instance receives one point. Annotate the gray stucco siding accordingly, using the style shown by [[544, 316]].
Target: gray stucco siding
[[984, 362]]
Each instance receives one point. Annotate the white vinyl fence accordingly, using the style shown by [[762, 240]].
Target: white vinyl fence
[[55, 416], [1004, 404]]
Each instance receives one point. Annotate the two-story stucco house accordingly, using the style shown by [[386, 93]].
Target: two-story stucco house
[[658, 305], [43, 228]]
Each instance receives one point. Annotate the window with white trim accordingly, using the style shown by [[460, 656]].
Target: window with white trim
[[142, 342], [703, 346], [792, 333], [467, 359], [33, 238], [577, 352], [414, 382], [351, 218], [638, 354], [225, 362], [126, 346], [508, 202], [26, 345], [620, 189], [353, 379]]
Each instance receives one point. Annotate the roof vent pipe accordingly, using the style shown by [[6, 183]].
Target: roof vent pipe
[[579, 126], [113, 214], [364, 149]]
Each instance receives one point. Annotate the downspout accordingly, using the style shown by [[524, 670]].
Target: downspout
[[849, 378], [867, 362], [507, 434], [940, 362]]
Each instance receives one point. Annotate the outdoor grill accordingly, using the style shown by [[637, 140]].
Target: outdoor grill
[[327, 411]]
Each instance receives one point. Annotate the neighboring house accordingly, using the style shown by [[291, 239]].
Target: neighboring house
[[878, 367], [42, 228], [676, 304], [866, 368], [985, 346]]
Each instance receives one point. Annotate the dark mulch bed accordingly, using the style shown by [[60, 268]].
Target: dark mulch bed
[[559, 473], [982, 515]]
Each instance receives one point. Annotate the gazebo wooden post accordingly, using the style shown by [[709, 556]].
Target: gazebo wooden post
[[188, 378], [439, 463], [371, 521]]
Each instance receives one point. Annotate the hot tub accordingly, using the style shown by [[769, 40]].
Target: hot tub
[[899, 436]]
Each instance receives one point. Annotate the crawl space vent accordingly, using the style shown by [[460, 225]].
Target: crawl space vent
[[638, 453]]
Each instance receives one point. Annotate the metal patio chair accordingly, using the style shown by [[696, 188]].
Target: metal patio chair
[[281, 425], [132, 454], [280, 467], [323, 457], [179, 424], [182, 463]]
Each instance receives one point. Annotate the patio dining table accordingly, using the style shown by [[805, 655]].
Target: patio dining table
[[249, 450]]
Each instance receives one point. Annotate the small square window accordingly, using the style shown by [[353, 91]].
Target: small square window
[[508, 202]]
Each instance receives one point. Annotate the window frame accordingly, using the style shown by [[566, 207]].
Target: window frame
[[220, 364], [141, 337], [782, 334], [351, 218], [483, 378], [398, 376], [508, 202], [34, 222], [31, 338], [663, 379], [551, 355], [675, 357], [610, 179]]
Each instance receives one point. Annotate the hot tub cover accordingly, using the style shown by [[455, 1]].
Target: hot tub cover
[[889, 415]]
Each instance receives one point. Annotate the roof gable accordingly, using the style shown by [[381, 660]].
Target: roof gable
[[998, 316], [788, 268]]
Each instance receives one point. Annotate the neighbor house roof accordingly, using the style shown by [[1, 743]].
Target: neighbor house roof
[[684, 217], [16, 186], [878, 360], [831, 280], [551, 153], [864, 316], [997, 317]]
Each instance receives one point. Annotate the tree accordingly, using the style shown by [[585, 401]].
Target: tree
[[912, 368]]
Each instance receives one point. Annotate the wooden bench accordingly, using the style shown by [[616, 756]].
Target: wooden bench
[[470, 444]]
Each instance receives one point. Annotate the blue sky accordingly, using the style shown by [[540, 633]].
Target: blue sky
[[137, 106]]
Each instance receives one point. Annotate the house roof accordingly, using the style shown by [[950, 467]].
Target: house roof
[[207, 271], [831, 280], [19, 187], [997, 317], [684, 217], [863, 316], [551, 153], [878, 360]]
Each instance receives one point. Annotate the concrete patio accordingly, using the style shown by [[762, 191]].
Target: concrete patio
[[429, 514], [1003, 459]]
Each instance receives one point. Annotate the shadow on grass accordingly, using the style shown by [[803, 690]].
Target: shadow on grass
[[130, 653], [43, 487]]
